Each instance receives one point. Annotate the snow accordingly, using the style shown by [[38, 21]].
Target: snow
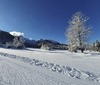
[[39, 40], [43, 67], [30, 41]]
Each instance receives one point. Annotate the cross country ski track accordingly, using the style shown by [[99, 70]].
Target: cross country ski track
[[12, 73]]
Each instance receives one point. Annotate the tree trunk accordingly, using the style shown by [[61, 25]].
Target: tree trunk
[[80, 44], [82, 50]]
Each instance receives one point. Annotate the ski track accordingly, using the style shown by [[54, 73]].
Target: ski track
[[51, 66], [11, 75]]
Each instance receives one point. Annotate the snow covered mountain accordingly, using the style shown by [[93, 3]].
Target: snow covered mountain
[[40, 42], [52, 41], [7, 37], [52, 44]]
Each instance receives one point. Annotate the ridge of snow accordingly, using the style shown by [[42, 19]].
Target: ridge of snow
[[72, 72]]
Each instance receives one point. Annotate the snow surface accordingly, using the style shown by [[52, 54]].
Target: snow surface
[[55, 67]]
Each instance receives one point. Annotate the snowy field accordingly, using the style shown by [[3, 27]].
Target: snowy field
[[43, 67]]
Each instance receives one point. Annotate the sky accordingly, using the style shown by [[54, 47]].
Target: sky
[[47, 19]]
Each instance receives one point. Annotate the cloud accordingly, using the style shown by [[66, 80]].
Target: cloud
[[31, 38], [14, 33]]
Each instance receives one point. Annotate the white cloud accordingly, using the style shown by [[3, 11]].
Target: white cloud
[[31, 38], [14, 33]]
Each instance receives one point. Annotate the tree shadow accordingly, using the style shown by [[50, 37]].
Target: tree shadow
[[28, 49], [95, 53]]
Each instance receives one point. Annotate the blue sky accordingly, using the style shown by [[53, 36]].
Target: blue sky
[[47, 19]]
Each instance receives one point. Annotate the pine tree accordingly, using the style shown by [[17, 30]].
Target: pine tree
[[77, 33], [97, 45], [93, 46]]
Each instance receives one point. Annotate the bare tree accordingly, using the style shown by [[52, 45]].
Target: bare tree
[[77, 33]]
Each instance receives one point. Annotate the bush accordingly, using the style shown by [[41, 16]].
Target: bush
[[20, 46], [46, 47], [18, 43], [9, 45]]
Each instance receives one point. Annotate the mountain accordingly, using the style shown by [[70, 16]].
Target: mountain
[[52, 44], [30, 43], [5, 37]]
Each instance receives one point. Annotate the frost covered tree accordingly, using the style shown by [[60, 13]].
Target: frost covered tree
[[21, 40], [77, 32], [9, 45], [46, 47], [18, 43], [15, 40], [87, 47]]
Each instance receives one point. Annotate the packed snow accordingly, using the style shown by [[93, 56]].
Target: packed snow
[[48, 67]]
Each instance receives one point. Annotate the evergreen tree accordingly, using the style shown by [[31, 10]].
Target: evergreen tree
[[97, 45], [93, 46]]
